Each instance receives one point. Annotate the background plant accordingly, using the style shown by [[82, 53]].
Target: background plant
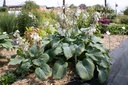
[[8, 22], [7, 78], [30, 16]]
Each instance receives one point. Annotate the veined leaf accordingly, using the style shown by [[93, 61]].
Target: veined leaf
[[67, 51], [104, 62], [73, 48], [26, 65], [80, 49], [59, 69], [37, 62], [6, 44], [33, 50], [85, 69], [57, 51], [43, 72], [16, 61], [55, 42], [3, 37], [95, 39], [44, 57], [102, 74], [41, 60]]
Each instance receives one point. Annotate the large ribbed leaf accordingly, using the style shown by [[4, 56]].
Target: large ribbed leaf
[[55, 42], [100, 47], [85, 69], [80, 49], [6, 44], [67, 51], [16, 61], [59, 69], [3, 37], [57, 51], [41, 60], [43, 72], [104, 62], [33, 50], [73, 48], [102, 74], [26, 65], [95, 39], [95, 52]]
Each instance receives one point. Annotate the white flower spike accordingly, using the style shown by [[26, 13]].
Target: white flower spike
[[123, 28], [108, 33]]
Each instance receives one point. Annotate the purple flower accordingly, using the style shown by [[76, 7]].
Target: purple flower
[[104, 21]]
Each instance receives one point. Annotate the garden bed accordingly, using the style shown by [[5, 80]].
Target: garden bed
[[110, 42]]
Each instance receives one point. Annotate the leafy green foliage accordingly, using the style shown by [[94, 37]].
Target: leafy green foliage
[[33, 60], [86, 52], [59, 69], [29, 5], [116, 29], [7, 78], [5, 42], [30, 16], [126, 11], [3, 9], [8, 22]]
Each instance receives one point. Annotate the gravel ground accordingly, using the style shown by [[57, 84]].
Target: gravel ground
[[113, 41], [110, 42]]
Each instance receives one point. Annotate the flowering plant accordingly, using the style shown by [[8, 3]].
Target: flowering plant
[[104, 21]]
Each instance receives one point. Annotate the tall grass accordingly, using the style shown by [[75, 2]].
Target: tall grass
[[8, 22]]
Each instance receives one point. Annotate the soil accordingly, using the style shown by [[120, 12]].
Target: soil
[[110, 42]]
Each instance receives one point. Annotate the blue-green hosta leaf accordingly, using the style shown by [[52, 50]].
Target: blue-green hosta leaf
[[44, 72], [37, 62], [3, 37], [85, 69], [33, 50], [16, 61], [55, 42], [80, 49], [104, 62], [58, 50], [102, 74], [44, 57], [95, 39], [100, 47], [73, 48], [95, 52], [41, 60], [59, 69], [91, 56], [6, 44], [67, 51], [26, 65]]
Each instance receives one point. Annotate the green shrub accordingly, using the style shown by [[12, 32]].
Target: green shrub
[[126, 11], [7, 78], [124, 19], [116, 28], [8, 22], [3, 9], [28, 19]]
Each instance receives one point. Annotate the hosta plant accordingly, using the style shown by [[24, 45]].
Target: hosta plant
[[86, 52], [32, 60]]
